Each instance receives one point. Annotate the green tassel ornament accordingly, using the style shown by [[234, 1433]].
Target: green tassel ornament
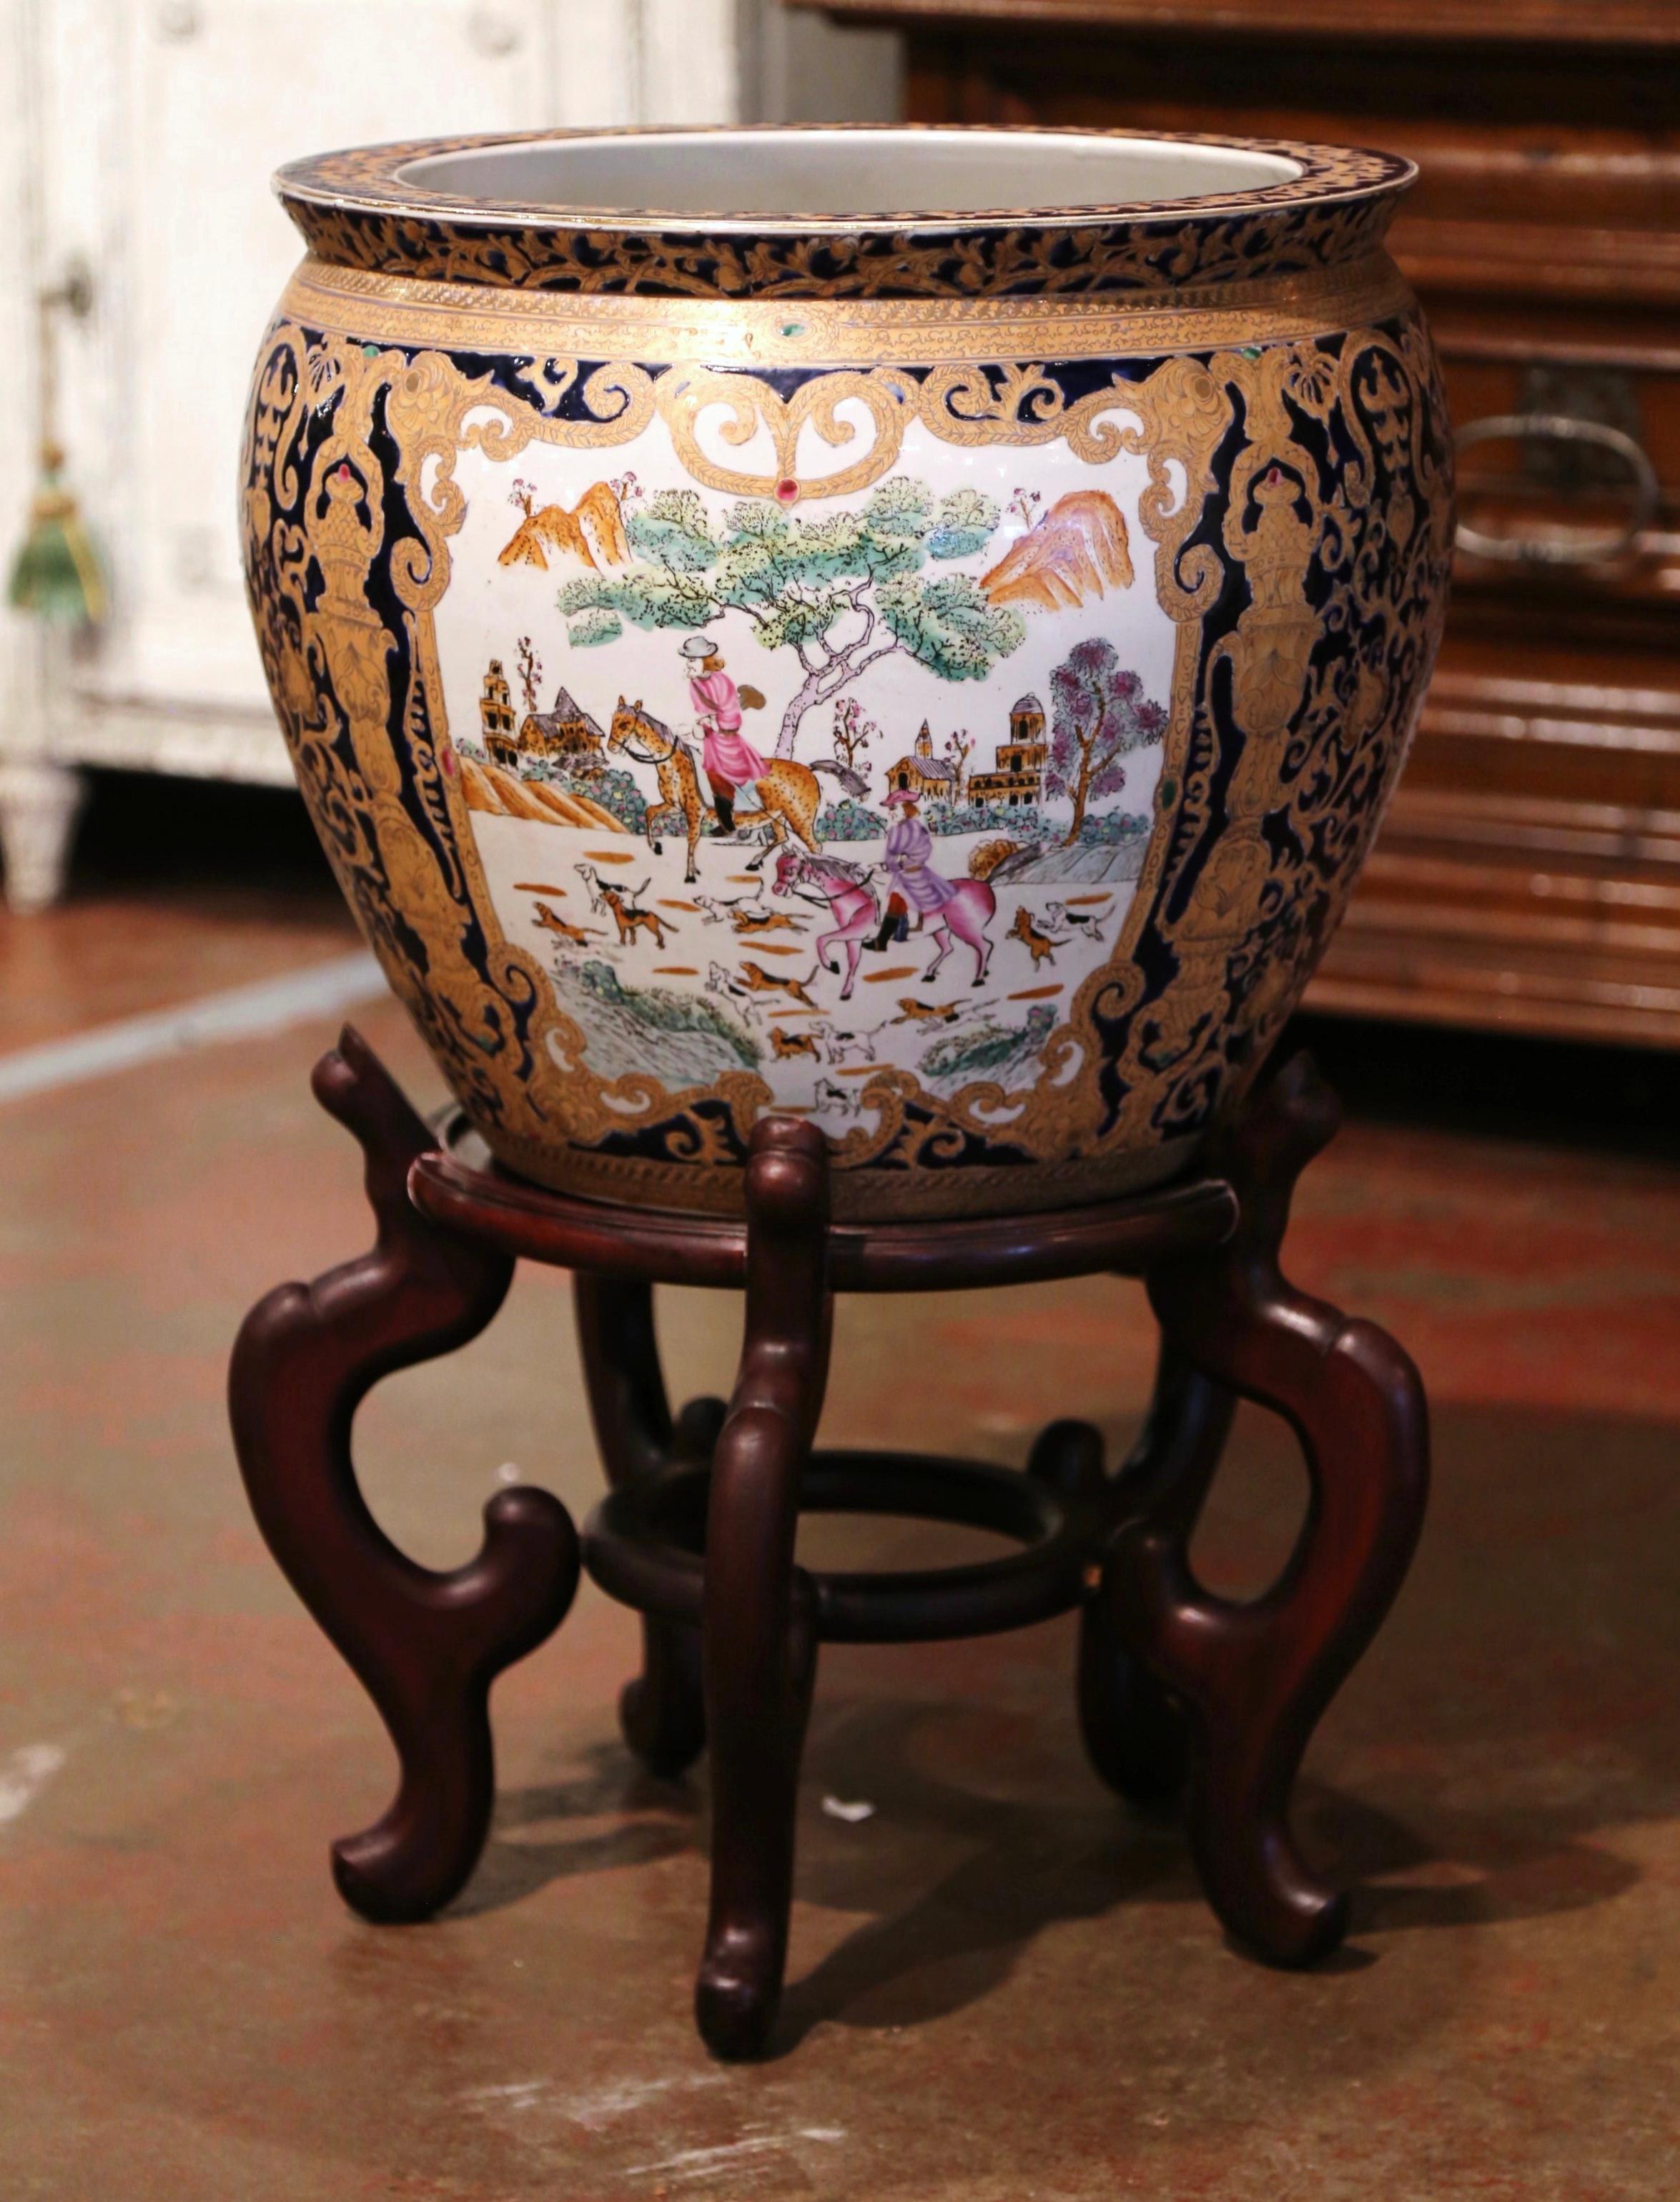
[[56, 574]]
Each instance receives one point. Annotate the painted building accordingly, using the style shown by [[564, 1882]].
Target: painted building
[[1017, 782], [566, 733], [495, 715], [924, 775]]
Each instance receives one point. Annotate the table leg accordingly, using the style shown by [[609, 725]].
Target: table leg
[[757, 1623], [425, 1645], [1257, 1677]]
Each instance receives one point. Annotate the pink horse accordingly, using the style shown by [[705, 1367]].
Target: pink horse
[[857, 914]]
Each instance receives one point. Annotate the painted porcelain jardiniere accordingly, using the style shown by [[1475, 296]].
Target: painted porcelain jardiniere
[[751, 643]]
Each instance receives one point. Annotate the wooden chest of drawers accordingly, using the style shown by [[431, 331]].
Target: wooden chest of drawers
[[1529, 876]]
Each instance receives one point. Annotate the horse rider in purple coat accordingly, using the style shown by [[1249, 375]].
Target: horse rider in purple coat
[[913, 884], [728, 760]]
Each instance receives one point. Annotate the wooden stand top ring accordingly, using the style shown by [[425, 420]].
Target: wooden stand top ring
[[459, 1187]]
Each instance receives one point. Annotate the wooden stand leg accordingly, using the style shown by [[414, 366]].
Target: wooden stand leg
[[662, 1712], [425, 1645], [1258, 1677], [1134, 1734], [759, 1639]]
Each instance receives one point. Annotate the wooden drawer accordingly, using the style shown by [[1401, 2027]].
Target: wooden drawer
[[1590, 529], [1527, 874]]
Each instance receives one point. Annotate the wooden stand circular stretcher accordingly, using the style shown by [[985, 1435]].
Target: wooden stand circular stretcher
[[1176, 1688]]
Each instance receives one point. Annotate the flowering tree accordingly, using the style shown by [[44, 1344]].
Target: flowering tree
[[840, 591], [523, 496], [853, 732], [1100, 714], [530, 670], [957, 751]]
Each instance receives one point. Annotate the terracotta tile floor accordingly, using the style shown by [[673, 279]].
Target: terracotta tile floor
[[115, 954], [1002, 1987]]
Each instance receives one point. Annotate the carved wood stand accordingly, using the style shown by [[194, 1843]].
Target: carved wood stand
[[1176, 1687]]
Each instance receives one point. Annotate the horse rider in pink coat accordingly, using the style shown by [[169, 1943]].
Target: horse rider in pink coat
[[728, 759], [913, 884]]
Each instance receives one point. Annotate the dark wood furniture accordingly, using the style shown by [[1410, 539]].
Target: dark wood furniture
[[1528, 875], [697, 1530]]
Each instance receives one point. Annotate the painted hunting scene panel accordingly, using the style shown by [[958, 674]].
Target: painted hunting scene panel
[[804, 784]]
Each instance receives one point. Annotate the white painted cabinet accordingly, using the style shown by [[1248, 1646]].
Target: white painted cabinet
[[139, 136]]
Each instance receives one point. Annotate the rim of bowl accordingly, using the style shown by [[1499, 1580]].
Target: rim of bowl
[[373, 181]]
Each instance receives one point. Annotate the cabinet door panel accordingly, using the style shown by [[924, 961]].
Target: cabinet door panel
[[212, 110]]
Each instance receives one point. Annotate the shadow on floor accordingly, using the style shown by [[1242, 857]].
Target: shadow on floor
[[938, 1935], [640, 1820], [1462, 1785]]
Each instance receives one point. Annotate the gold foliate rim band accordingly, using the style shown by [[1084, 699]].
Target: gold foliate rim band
[[363, 181], [474, 317]]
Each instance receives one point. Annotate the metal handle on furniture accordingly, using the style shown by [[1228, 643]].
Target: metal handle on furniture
[[1565, 428]]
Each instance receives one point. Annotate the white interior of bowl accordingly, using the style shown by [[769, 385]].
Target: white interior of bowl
[[841, 174]]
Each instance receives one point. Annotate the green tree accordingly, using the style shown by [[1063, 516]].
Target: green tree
[[841, 591]]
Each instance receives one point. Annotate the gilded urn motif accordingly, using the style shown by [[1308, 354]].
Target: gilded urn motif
[[935, 673]]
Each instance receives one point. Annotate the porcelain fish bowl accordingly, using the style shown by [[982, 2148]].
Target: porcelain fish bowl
[[910, 628]]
